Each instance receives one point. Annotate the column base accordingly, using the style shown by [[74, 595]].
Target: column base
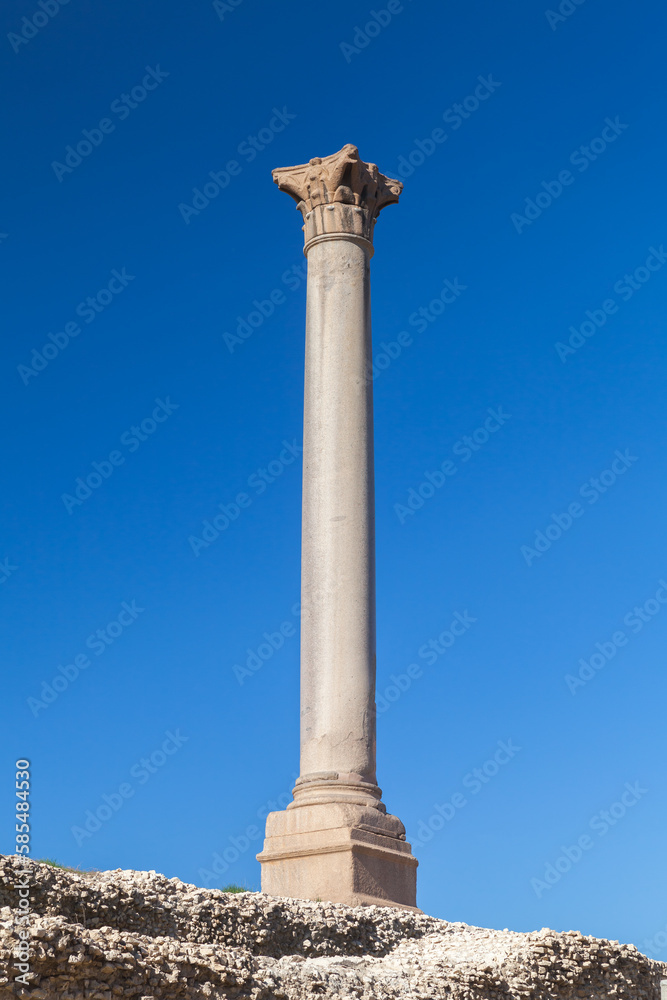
[[339, 853]]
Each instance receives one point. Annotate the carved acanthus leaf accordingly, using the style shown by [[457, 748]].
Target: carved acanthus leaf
[[342, 178]]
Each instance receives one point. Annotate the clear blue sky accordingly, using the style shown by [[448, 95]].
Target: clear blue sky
[[540, 201]]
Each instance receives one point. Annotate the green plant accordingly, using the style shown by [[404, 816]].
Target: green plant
[[66, 868], [232, 887]]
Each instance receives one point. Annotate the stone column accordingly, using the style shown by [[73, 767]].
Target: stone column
[[335, 841]]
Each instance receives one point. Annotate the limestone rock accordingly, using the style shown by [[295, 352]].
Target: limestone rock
[[142, 936]]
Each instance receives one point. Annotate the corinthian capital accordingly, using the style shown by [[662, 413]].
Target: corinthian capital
[[338, 193]]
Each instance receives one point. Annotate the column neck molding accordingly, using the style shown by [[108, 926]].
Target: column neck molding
[[350, 237]]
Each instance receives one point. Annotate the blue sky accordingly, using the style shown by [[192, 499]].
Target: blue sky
[[522, 416]]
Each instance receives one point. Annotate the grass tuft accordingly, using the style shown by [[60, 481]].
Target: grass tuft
[[66, 868]]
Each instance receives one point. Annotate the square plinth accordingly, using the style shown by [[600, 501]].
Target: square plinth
[[332, 853]]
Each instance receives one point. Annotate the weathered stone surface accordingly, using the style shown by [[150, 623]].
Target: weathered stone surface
[[141, 935]]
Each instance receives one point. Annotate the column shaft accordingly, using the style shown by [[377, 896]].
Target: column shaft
[[338, 536]]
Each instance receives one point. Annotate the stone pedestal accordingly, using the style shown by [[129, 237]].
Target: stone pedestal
[[338, 853], [335, 841]]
